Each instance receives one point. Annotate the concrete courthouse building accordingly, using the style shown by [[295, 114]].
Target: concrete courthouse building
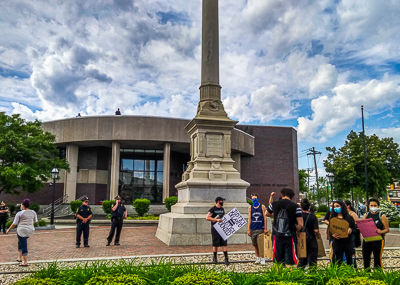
[[145, 157]]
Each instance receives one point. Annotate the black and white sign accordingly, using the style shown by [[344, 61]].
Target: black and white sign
[[231, 223]]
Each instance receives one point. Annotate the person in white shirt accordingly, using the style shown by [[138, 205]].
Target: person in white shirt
[[24, 220]]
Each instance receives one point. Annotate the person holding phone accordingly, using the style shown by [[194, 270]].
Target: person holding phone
[[119, 213]]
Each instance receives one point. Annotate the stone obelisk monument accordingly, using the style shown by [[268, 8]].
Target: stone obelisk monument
[[210, 171]]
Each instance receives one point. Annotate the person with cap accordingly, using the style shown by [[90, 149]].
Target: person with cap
[[83, 216], [117, 218], [3, 216], [215, 215]]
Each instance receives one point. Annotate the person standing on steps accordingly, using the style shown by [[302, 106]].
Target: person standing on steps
[[118, 215], [215, 215], [257, 225], [83, 216]]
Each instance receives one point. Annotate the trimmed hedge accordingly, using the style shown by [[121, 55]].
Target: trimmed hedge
[[203, 278], [34, 281], [170, 201], [107, 206], [114, 280], [394, 224], [142, 206], [35, 207], [75, 205], [354, 281], [11, 209]]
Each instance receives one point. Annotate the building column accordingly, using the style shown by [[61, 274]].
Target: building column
[[71, 177], [167, 169], [237, 158], [115, 161]]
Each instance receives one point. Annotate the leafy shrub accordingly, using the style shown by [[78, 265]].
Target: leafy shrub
[[11, 209], [107, 206], [394, 224], [318, 216], [280, 283], [8, 224], [250, 202], [322, 208], [170, 201], [141, 206], [75, 205], [35, 207], [203, 278], [40, 223], [34, 281], [389, 210], [111, 280], [354, 281]]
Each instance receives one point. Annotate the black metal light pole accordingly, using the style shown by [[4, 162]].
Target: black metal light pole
[[365, 156], [330, 177], [54, 175], [352, 192], [327, 194]]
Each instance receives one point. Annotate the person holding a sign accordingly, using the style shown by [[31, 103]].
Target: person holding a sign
[[375, 247], [257, 225], [311, 229], [288, 218], [342, 226], [215, 215]]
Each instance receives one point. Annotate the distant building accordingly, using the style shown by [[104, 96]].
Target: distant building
[[145, 157], [394, 194]]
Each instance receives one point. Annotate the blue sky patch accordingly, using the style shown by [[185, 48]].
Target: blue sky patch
[[173, 18]]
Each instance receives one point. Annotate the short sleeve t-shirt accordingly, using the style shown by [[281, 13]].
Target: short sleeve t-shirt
[[215, 211], [312, 223], [327, 216], [119, 212], [3, 208], [293, 211]]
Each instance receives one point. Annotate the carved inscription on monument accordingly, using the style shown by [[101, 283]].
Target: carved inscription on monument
[[214, 145]]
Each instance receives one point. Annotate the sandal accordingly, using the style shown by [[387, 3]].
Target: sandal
[[18, 260], [24, 265]]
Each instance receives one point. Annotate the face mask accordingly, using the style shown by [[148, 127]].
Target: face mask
[[330, 209], [374, 209], [221, 203], [255, 202], [338, 210]]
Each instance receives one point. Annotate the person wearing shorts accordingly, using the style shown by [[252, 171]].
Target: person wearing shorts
[[257, 225], [215, 215], [284, 246]]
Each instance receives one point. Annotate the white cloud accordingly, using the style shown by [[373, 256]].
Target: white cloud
[[325, 79], [393, 132]]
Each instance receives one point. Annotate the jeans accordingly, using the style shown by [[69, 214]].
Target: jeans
[[23, 245]]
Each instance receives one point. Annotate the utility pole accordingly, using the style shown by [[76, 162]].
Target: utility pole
[[308, 178], [313, 152]]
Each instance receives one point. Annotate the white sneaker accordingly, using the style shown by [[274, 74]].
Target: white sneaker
[[262, 261], [258, 260]]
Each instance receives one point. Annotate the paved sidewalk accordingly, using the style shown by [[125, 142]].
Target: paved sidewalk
[[60, 244]]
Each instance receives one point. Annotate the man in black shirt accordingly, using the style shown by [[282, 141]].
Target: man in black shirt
[[117, 218], [3, 216], [83, 216], [311, 228], [215, 215], [284, 230]]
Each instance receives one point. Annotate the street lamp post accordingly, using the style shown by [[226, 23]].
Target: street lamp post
[[54, 175], [365, 156], [331, 178], [327, 195]]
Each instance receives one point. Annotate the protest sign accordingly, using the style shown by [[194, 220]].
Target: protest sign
[[231, 223], [368, 229], [339, 226], [301, 245], [321, 248]]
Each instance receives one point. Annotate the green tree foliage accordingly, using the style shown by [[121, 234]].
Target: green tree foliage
[[303, 175], [383, 164], [27, 155]]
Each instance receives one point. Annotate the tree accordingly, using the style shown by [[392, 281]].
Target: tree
[[27, 155], [383, 164], [303, 175]]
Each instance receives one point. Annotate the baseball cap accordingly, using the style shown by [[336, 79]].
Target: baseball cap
[[219, 199]]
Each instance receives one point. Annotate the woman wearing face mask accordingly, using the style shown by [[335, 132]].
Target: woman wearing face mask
[[257, 225], [375, 247], [343, 246]]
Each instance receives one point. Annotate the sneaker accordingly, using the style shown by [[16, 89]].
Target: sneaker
[[117, 243], [86, 245], [262, 261], [108, 244], [215, 260], [226, 261]]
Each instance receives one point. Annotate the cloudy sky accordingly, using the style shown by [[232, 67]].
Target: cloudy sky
[[309, 64]]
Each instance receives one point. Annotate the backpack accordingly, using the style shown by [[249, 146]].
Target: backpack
[[282, 223], [309, 236]]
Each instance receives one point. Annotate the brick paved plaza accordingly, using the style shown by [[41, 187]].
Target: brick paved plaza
[[60, 244]]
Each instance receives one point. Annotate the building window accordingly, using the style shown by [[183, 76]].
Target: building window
[[141, 175]]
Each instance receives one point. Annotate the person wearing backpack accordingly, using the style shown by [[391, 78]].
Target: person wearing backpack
[[356, 235], [257, 225], [288, 218], [311, 229], [375, 247]]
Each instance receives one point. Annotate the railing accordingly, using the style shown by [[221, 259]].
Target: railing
[[61, 204]]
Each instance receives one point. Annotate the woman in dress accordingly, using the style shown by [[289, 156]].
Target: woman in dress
[[24, 220]]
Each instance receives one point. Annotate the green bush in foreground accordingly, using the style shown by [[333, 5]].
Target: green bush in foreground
[[354, 281], [170, 201], [203, 278], [280, 283], [142, 206], [34, 281], [114, 280]]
